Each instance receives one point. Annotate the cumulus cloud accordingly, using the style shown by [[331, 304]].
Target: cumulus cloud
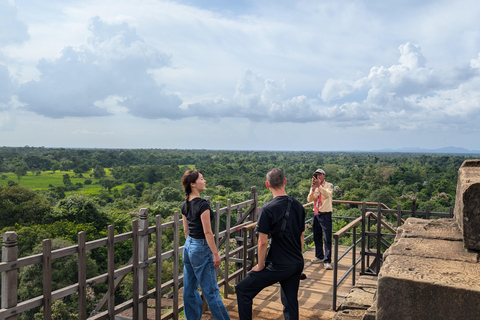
[[115, 61], [408, 94], [13, 30], [258, 100]]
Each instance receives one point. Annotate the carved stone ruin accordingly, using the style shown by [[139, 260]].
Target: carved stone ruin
[[432, 270]]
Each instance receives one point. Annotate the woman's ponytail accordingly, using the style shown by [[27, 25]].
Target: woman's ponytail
[[190, 176]]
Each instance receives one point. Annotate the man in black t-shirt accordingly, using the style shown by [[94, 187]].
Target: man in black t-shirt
[[284, 263]]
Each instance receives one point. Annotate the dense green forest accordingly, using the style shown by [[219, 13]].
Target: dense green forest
[[57, 192]]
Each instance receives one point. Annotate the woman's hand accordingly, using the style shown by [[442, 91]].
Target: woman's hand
[[216, 260]]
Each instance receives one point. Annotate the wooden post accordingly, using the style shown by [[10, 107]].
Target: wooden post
[[227, 247], [136, 274], [399, 215], [176, 256], [47, 279], [82, 277], [142, 257], [9, 278], [158, 268], [111, 272]]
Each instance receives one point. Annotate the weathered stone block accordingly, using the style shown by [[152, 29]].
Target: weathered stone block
[[359, 298], [412, 287], [445, 229], [432, 248], [355, 314], [467, 203]]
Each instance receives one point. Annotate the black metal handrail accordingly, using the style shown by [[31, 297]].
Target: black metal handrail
[[365, 221]]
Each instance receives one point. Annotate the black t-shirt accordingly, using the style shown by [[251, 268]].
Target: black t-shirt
[[287, 249], [196, 207]]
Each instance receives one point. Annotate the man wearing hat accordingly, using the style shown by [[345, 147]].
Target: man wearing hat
[[321, 195]]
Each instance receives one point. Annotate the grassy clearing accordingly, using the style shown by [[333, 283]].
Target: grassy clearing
[[49, 179]]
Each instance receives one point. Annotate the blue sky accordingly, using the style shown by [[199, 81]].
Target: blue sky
[[249, 75]]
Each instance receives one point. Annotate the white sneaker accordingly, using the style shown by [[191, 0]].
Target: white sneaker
[[316, 260], [328, 266]]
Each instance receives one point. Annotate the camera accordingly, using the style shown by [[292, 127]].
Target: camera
[[315, 175]]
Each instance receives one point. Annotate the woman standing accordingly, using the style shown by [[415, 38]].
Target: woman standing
[[200, 255]]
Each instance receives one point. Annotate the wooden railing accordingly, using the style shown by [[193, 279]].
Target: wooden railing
[[137, 266], [242, 257]]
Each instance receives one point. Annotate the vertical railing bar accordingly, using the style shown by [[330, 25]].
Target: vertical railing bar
[[158, 267], [10, 278], [111, 271], [176, 241], [227, 247], [369, 228], [245, 247], [47, 278], [414, 207], [136, 274], [142, 247], [427, 212], [364, 209], [354, 254], [217, 222], [379, 236], [335, 274], [399, 215], [82, 277]]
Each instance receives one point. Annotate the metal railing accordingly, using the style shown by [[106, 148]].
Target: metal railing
[[366, 235]]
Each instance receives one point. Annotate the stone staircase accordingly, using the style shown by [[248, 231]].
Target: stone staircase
[[359, 304]]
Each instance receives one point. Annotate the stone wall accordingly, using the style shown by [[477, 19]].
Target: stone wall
[[467, 203], [432, 270]]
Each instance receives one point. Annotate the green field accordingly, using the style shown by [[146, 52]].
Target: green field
[[48, 179]]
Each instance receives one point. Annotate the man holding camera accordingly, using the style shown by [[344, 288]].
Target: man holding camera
[[321, 195]]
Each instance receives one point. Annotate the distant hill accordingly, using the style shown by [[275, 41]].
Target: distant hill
[[445, 150]]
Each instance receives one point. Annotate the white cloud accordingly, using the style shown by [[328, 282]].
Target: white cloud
[[370, 69], [114, 62]]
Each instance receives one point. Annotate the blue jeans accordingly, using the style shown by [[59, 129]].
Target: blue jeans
[[198, 270], [322, 228]]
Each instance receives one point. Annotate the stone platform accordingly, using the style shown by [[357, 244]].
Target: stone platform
[[428, 274]]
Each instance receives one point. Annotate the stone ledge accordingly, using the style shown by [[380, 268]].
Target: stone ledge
[[432, 248], [412, 287], [445, 229]]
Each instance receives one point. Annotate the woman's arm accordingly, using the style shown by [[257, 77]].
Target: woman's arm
[[207, 230], [185, 226]]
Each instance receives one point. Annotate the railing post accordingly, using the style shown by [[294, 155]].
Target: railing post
[[176, 262], [414, 207], [399, 215], [111, 272], [354, 254], [142, 257], [47, 278], [9, 278], [136, 273], [227, 247], [335, 273], [379, 236], [362, 252], [82, 277], [451, 212], [427, 212], [158, 267]]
